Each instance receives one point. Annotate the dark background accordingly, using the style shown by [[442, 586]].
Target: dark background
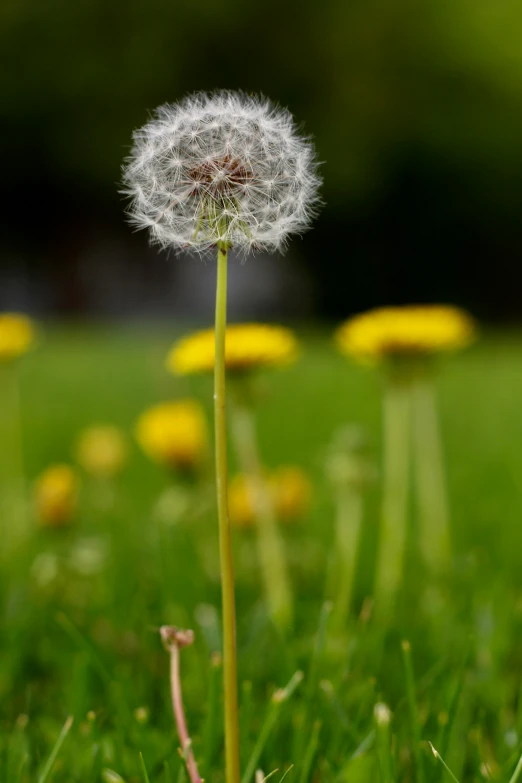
[[416, 110]]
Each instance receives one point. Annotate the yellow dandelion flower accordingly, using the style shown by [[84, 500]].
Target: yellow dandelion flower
[[415, 330], [248, 346], [102, 450], [16, 335], [56, 495], [174, 434], [290, 492]]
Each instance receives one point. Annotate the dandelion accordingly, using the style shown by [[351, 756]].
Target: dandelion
[[56, 496], [404, 341], [102, 451], [16, 335], [411, 332], [249, 348], [290, 490], [174, 434], [224, 170]]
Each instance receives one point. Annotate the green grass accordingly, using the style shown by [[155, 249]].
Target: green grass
[[77, 640]]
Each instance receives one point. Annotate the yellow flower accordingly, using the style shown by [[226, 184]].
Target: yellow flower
[[16, 335], [247, 346], [174, 433], [415, 330], [290, 492], [102, 450], [56, 496]]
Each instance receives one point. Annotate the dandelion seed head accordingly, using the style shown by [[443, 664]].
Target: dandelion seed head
[[221, 168]]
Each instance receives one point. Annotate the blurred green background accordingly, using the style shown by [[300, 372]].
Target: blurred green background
[[416, 110]]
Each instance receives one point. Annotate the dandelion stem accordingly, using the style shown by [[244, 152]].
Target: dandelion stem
[[347, 531], [225, 543], [270, 543], [431, 483], [395, 496], [11, 456]]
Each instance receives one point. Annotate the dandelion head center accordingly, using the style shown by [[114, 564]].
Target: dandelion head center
[[220, 176]]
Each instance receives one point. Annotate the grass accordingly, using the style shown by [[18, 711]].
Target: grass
[[80, 608]]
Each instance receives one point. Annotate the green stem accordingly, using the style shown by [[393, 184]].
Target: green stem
[[396, 481], [225, 543], [271, 551], [347, 531], [12, 474], [431, 483]]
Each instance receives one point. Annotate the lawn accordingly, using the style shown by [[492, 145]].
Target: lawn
[[81, 606]]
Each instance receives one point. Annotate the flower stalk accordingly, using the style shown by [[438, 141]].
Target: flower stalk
[[347, 533], [225, 543], [270, 544], [12, 476], [396, 491], [430, 478]]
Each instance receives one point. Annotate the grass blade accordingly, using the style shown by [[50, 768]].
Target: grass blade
[[517, 772], [54, 753], [448, 770], [312, 681], [310, 753], [22, 767], [290, 768], [414, 715], [212, 728], [382, 717], [278, 699], [245, 712], [144, 769]]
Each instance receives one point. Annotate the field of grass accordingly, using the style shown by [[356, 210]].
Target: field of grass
[[81, 607]]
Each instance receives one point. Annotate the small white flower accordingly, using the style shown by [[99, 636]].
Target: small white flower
[[222, 168]]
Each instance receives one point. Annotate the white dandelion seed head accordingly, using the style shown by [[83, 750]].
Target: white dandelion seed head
[[222, 168]]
